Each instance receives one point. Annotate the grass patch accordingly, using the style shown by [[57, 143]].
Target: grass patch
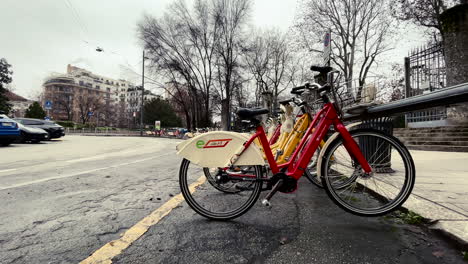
[[411, 218], [465, 255]]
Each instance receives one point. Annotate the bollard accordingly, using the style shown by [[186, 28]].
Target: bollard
[[378, 156]]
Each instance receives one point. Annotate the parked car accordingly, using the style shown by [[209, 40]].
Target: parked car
[[9, 130], [32, 134], [54, 130]]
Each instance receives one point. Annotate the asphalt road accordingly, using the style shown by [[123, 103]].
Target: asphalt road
[[65, 199]]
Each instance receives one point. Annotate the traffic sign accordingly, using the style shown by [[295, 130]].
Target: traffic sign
[[327, 48], [47, 118], [48, 105], [90, 113]]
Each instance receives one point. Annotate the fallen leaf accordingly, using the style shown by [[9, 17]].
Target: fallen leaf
[[438, 254]]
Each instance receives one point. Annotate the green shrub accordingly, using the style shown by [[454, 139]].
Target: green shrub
[[66, 123]]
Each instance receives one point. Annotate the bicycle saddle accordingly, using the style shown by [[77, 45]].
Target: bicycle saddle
[[297, 91], [284, 102], [249, 113], [321, 69]]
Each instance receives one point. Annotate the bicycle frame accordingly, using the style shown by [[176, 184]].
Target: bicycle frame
[[275, 135], [299, 160]]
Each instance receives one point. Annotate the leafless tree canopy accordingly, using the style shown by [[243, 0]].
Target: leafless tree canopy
[[197, 48], [271, 62], [424, 13], [64, 102], [360, 32], [88, 103], [209, 60]]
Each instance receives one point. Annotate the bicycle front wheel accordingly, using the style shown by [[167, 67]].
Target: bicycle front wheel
[[380, 192], [219, 198]]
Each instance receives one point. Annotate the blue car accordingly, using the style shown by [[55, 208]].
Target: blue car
[[9, 130]]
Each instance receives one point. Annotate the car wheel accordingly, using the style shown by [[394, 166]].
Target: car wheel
[[5, 143], [22, 138]]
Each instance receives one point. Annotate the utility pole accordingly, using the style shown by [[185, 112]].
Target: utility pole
[[142, 93]]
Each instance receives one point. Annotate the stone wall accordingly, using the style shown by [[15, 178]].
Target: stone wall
[[455, 34]]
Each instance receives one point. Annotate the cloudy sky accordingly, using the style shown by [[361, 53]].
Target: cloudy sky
[[40, 37]]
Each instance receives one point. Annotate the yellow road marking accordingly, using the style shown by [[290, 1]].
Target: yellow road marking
[[105, 254]]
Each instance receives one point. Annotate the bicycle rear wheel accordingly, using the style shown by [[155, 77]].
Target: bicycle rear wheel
[[311, 171], [211, 198], [384, 190], [228, 186]]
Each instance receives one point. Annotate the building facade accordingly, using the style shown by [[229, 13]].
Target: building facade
[[19, 104], [84, 97]]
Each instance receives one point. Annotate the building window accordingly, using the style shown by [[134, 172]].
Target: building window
[[81, 83], [97, 87]]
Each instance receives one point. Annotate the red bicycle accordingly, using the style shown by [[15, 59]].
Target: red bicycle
[[364, 171]]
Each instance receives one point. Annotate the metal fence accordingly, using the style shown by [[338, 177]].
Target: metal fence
[[103, 132], [425, 72]]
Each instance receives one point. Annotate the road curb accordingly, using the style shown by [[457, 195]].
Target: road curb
[[445, 224]]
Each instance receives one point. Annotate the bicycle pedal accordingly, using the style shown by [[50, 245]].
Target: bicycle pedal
[[266, 203]]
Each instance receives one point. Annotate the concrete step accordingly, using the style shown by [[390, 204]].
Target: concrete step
[[437, 143], [438, 148], [433, 134], [432, 129], [431, 138]]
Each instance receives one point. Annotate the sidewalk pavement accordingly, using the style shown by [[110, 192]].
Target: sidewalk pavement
[[441, 191]]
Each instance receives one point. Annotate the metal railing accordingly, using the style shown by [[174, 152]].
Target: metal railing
[[443, 97], [101, 132], [425, 72]]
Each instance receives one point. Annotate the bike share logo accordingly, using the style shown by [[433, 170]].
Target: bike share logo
[[214, 143]]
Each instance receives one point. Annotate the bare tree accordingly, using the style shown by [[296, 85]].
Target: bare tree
[[360, 30], [182, 46], [64, 103], [270, 61], [181, 101], [424, 13], [231, 17], [88, 103]]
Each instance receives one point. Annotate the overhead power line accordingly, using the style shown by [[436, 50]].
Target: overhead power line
[[77, 18]]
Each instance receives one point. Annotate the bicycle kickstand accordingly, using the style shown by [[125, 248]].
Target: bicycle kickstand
[[266, 201]]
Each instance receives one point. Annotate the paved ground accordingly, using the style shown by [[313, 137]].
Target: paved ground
[[441, 191], [63, 200]]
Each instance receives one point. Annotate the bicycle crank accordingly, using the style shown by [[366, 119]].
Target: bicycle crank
[[281, 182]]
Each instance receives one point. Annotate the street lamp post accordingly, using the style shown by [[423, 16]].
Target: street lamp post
[[142, 93]]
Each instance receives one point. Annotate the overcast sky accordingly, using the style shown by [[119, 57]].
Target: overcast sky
[[39, 37]]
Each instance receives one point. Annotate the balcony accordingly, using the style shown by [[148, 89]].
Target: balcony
[[60, 80]]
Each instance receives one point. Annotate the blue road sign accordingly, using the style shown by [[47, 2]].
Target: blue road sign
[[47, 118], [48, 105], [90, 113]]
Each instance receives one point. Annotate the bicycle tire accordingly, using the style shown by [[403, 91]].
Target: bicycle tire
[[225, 215], [311, 171], [376, 193]]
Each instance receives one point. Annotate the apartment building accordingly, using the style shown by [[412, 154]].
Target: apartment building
[[82, 96]]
